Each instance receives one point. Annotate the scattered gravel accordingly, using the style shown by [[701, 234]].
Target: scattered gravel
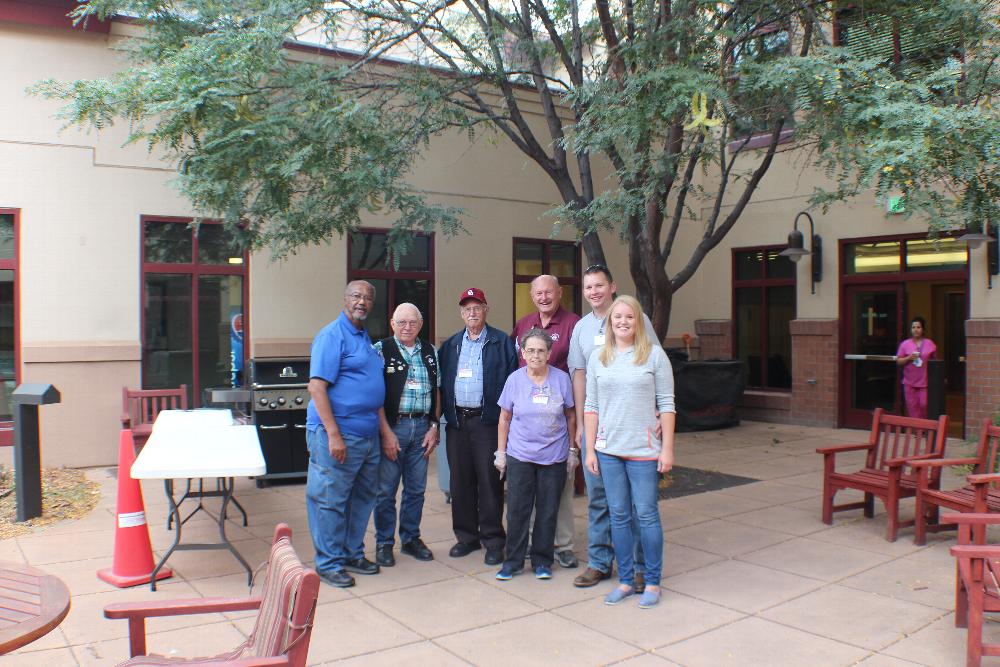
[[66, 494]]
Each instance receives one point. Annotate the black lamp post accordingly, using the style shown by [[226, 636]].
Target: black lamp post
[[795, 250], [976, 239]]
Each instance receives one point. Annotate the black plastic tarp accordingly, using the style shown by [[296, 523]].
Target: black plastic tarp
[[706, 393]]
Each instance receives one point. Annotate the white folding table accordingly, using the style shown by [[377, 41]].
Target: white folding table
[[199, 446]]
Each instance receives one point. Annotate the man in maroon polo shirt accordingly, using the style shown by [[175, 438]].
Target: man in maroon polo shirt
[[558, 323]]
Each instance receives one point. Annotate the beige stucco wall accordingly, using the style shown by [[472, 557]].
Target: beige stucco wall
[[81, 195]]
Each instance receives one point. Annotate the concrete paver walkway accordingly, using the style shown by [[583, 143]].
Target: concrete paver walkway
[[753, 577]]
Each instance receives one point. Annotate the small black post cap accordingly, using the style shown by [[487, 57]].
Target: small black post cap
[[30, 393]]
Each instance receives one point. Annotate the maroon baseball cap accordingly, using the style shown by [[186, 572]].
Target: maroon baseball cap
[[472, 293]]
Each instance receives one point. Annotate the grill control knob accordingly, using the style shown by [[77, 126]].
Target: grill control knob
[[298, 400], [281, 400], [273, 405], [263, 401]]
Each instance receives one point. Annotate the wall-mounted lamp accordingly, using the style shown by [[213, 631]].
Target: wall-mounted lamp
[[795, 250], [976, 239]]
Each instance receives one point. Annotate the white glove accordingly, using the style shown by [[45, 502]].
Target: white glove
[[500, 461], [572, 463]]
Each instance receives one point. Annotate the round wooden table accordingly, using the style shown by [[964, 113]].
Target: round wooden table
[[32, 603]]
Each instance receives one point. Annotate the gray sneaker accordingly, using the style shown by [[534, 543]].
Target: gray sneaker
[[566, 558]]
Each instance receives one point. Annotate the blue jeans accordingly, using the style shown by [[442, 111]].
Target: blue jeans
[[340, 497], [410, 466], [627, 483], [600, 551]]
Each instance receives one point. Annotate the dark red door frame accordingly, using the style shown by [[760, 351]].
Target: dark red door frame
[[7, 427], [575, 282], [888, 281], [195, 270]]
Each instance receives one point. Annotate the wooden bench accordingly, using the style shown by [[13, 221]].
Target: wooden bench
[[894, 442], [981, 495], [976, 589], [140, 407]]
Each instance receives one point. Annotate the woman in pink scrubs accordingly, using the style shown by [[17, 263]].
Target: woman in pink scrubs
[[912, 355]]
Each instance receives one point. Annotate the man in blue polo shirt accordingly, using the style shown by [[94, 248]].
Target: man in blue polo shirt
[[347, 390]]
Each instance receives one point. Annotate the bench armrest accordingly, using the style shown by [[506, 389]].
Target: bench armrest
[[833, 449], [991, 551], [154, 608], [904, 460], [983, 478], [971, 518], [940, 463]]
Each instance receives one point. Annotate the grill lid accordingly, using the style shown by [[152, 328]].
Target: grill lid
[[279, 371]]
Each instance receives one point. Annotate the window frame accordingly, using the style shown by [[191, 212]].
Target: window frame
[[7, 427], [390, 275], [195, 269], [762, 283], [575, 282]]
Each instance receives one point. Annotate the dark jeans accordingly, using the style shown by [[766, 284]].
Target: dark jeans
[[410, 466], [476, 488], [532, 486]]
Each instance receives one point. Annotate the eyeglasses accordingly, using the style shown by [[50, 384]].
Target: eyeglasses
[[357, 296], [473, 309], [407, 324], [535, 353]]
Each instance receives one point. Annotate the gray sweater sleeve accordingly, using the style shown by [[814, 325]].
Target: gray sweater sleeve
[[663, 375]]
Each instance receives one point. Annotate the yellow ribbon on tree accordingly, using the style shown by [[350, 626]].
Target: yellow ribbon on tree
[[699, 111]]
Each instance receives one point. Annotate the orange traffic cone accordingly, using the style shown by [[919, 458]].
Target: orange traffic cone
[[133, 560]]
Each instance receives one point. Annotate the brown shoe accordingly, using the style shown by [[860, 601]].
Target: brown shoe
[[639, 582], [590, 577]]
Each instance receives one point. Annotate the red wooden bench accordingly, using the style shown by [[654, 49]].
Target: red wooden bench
[[976, 588], [893, 443], [140, 407], [981, 495]]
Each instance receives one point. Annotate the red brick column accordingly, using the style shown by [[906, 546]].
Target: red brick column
[[982, 372], [715, 338], [815, 372]]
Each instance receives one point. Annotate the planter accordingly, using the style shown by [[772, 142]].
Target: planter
[[706, 393]]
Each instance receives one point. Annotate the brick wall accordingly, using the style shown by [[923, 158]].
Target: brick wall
[[715, 338], [815, 372], [982, 372]]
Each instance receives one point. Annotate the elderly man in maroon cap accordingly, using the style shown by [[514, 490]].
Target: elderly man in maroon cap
[[475, 363]]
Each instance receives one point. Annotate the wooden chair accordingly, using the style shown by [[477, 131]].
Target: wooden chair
[[981, 495], [976, 581], [140, 407], [893, 443], [284, 622]]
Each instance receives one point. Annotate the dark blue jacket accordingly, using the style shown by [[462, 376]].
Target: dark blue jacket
[[499, 361]]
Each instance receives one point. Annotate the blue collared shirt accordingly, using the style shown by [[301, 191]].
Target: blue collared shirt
[[343, 356], [469, 390]]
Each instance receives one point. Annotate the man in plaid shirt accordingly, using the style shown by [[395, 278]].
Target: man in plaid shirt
[[412, 411]]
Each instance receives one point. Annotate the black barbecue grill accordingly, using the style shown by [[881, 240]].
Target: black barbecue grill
[[279, 397]]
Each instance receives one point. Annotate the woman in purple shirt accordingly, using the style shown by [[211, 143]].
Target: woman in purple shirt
[[913, 354], [537, 425]]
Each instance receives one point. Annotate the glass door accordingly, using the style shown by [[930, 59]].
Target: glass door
[[874, 330]]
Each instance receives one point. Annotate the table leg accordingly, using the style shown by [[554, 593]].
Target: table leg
[[175, 514], [227, 494]]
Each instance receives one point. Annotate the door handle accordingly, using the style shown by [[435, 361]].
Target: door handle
[[262, 427], [300, 426], [870, 357]]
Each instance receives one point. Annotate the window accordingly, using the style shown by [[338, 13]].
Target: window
[[193, 296], [535, 257], [910, 256], [10, 352], [398, 278], [909, 40], [763, 307]]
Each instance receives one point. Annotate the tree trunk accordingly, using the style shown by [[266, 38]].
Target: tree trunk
[[593, 249]]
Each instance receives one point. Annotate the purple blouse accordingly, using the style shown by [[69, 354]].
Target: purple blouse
[[538, 429]]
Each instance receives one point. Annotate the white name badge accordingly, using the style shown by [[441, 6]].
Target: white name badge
[[918, 362], [601, 444], [412, 384], [599, 339], [464, 372], [540, 399]]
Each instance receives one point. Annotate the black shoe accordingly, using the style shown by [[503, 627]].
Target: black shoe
[[493, 556], [566, 558], [383, 555], [462, 549], [361, 566], [417, 549], [337, 578]]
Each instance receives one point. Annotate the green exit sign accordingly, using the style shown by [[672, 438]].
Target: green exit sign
[[895, 204]]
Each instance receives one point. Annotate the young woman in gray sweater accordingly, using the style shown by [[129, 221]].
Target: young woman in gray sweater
[[629, 381]]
